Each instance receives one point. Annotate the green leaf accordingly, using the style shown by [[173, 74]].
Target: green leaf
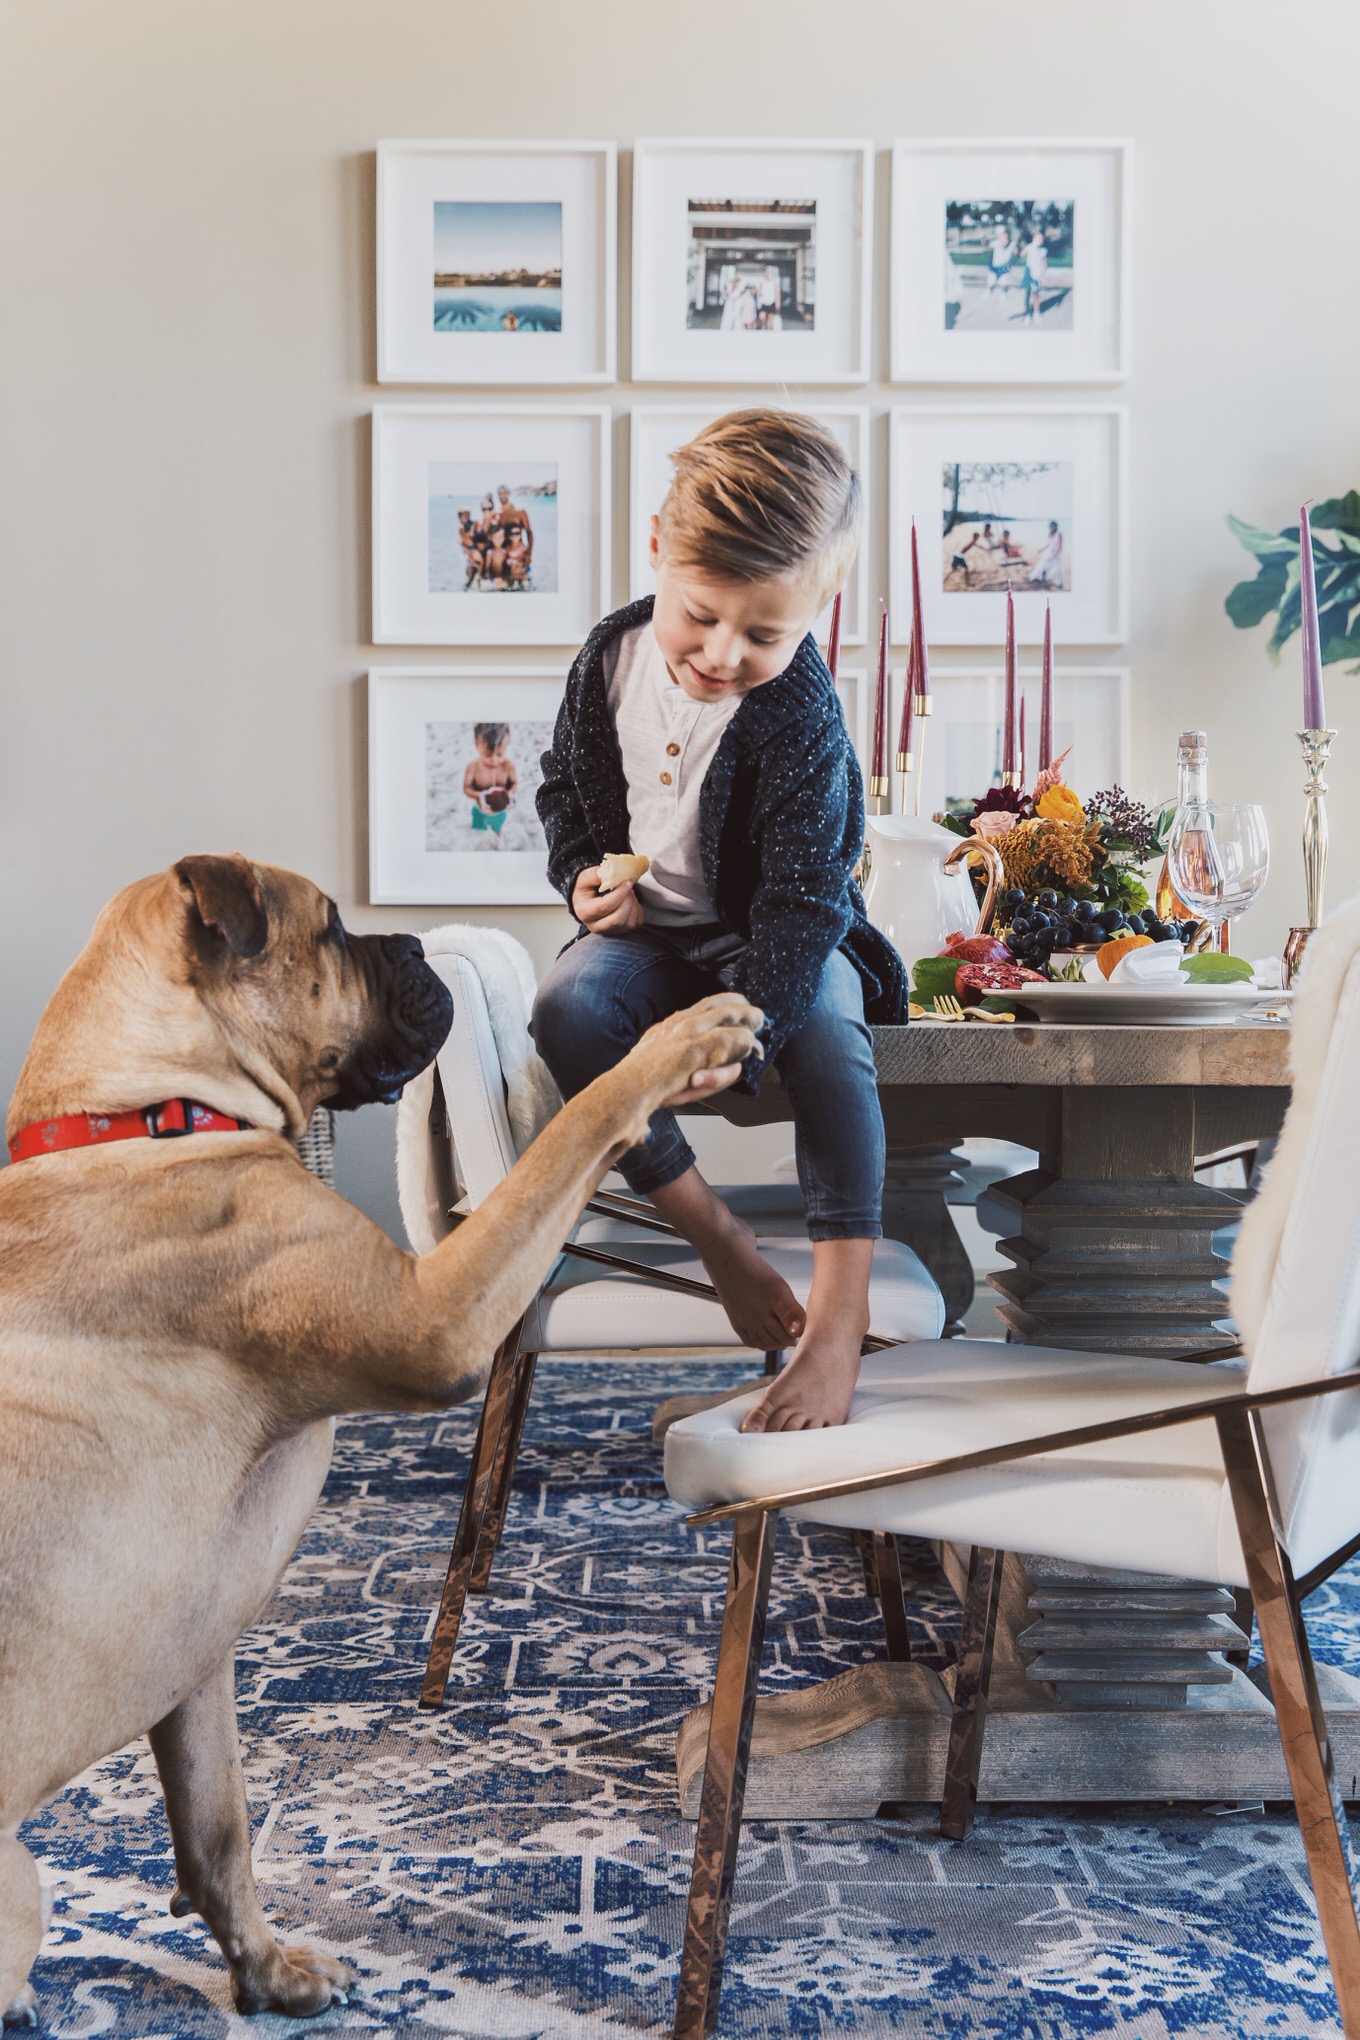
[[1265, 544], [1338, 513], [1250, 602], [933, 974], [1213, 968]]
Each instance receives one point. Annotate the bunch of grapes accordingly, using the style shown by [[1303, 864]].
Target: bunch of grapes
[[1054, 922]]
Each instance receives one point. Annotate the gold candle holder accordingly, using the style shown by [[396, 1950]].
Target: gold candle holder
[[880, 786], [1316, 747]]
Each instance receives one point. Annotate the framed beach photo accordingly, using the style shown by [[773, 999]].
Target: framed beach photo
[[453, 767], [1010, 261], [1029, 497], [959, 756], [655, 433], [751, 261], [496, 262], [490, 524]]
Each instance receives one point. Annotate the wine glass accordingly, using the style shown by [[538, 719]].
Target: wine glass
[[1220, 857]]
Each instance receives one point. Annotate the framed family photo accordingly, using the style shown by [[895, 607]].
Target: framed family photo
[[1032, 498], [496, 262], [657, 430], [1010, 261], [751, 261], [960, 757], [490, 524], [453, 767]]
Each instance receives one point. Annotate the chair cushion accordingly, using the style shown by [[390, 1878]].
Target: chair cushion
[[583, 1308], [1155, 1503]]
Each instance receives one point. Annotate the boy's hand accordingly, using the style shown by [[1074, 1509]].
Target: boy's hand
[[605, 913]]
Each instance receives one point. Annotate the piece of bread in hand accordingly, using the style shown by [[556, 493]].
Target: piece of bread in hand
[[621, 869]]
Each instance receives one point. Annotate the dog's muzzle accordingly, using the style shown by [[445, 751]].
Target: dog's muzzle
[[412, 1014]]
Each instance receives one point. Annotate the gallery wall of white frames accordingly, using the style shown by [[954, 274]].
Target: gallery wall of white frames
[[754, 267]]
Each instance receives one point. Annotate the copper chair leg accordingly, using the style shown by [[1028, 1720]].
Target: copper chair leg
[[1298, 1710], [476, 1494], [892, 1600], [729, 1744], [972, 1679], [503, 1474], [1244, 1615]]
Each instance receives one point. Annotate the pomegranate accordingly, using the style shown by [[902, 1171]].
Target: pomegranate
[[976, 948], [975, 982]]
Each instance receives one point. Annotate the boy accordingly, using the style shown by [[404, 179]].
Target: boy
[[491, 780], [700, 727]]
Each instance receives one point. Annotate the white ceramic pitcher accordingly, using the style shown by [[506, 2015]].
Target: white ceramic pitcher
[[916, 885]]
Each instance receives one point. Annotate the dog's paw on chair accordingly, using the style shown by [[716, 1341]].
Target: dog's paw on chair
[[298, 1981]]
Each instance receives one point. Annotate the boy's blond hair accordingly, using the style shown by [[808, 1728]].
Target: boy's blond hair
[[764, 495]]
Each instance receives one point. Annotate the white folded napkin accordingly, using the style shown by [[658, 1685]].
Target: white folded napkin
[[1159, 965], [1266, 971]]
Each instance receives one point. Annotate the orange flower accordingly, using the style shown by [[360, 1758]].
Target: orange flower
[[1060, 804]]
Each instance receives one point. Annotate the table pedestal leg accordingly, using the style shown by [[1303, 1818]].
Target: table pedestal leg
[[915, 1212], [1114, 1247]]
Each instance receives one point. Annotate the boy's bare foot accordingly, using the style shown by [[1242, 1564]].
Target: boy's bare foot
[[763, 1310], [815, 1388]]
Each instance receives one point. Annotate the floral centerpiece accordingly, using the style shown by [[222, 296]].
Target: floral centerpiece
[[1075, 889]]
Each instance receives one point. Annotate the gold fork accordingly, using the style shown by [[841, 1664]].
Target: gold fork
[[980, 1013], [947, 1007]]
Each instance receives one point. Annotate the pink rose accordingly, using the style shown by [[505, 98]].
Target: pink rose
[[995, 823]]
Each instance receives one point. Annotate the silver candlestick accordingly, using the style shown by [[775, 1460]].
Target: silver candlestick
[[1316, 747]]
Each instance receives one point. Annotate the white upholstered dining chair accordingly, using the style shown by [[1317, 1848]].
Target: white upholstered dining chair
[[1244, 1471], [631, 1286]]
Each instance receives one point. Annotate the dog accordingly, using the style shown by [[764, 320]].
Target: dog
[[181, 1321]]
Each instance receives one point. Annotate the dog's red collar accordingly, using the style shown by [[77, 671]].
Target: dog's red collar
[[152, 1122]]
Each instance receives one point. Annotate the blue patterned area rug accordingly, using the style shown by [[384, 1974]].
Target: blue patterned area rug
[[516, 1867]]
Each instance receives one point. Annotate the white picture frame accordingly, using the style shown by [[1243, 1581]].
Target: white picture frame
[[426, 457], [499, 210], [801, 211], [961, 751], [1045, 466], [952, 320], [655, 430], [854, 690], [423, 849]]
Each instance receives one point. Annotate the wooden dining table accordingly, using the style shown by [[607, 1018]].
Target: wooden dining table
[[1107, 1685]]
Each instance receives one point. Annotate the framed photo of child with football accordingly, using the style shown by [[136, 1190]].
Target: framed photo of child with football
[[453, 768]]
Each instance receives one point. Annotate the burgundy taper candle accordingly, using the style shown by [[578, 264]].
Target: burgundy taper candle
[[918, 631], [903, 760], [1046, 698], [878, 778], [1314, 707], [1022, 740], [833, 643], [1008, 712]]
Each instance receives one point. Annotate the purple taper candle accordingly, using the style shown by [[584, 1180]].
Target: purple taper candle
[[918, 630], [833, 643], [904, 759], [1046, 697], [1314, 707], [879, 776], [1008, 712]]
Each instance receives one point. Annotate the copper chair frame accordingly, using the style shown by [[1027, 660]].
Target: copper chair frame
[[1274, 1590], [505, 1405]]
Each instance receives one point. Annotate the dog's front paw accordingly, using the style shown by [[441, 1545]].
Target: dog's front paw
[[298, 1981], [23, 2011], [678, 1054]]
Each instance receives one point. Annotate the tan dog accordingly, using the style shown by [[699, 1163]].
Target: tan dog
[[181, 1320]]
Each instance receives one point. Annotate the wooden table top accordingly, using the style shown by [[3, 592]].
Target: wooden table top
[[1248, 1054]]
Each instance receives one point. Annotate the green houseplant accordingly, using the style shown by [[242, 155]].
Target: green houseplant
[[1275, 590]]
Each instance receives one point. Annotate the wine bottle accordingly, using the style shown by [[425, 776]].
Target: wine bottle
[[1199, 853]]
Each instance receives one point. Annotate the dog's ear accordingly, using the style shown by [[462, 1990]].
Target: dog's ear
[[223, 894]]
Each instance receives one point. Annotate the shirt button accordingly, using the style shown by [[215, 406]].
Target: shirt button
[[672, 750], [665, 779]]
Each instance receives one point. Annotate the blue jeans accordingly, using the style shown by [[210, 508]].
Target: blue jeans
[[604, 991]]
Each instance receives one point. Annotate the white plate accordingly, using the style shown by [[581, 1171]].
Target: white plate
[[1183, 1005]]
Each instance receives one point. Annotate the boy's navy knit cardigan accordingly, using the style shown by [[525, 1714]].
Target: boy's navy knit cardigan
[[781, 828]]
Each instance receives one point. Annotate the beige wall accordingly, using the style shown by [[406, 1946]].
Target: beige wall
[[186, 361]]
